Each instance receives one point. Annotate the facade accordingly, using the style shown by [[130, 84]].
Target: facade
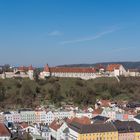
[[128, 130], [83, 73], [21, 72], [104, 131], [116, 70], [40, 116], [49, 117], [27, 116], [63, 114]]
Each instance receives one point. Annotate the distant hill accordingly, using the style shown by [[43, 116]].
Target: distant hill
[[127, 65]]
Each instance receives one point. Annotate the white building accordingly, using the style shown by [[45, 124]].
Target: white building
[[83, 73], [27, 116], [49, 117], [64, 114], [57, 130], [116, 70]]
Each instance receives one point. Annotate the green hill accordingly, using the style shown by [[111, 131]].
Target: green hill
[[16, 93]]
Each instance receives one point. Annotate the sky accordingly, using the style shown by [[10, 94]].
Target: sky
[[69, 31]]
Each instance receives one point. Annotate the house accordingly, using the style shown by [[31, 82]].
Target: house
[[27, 115], [97, 112], [49, 117], [54, 126], [8, 116], [61, 114], [40, 116], [46, 133], [4, 132], [115, 70]]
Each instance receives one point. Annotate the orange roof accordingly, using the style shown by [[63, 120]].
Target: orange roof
[[54, 125], [30, 67], [105, 103], [46, 68], [97, 111], [111, 67], [82, 120], [23, 68], [72, 70], [3, 130], [23, 125]]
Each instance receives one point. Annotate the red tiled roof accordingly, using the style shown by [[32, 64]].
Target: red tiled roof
[[23, 125], [23, 68], [30, 67], [72, 70], [105, 103], [3, 130], [111, 67], [82, 120], [46, 68], [97, 111], [54, 125]]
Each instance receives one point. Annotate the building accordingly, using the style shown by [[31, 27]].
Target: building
[[4, 132], [133, 72], [49, 117], [104, 131], [128, 130], [115, 70], [21, 72], [83, 73], [40, 116], [27, 116], [64, 114]]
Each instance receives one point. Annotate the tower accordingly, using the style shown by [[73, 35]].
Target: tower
[[31, 72]]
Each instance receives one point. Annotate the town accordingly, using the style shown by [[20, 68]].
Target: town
[[69, 69], [105, 120]]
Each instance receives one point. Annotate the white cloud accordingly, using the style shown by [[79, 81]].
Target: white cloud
[[55, 33], [99, 35]]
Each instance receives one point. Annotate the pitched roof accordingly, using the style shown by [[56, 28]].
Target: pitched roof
[[82, 120], [23, 125], [30, 67], [72, 70], [138, 116], [55, 125], [46, 68], [111, 67], [98, 111], [92, 128], [99, 119], [127, 126], [4, 130]]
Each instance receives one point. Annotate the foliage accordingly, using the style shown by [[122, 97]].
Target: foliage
[[16, 93]]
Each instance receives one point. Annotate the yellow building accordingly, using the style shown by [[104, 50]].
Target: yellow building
[[104, 131]]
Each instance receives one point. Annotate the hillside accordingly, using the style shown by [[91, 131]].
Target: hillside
[[127, 65], [16, 93]]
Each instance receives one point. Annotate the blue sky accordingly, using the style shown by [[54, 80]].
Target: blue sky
[[69, 31]]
